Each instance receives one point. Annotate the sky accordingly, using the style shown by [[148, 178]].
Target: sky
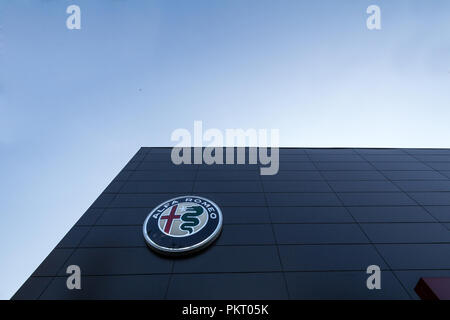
[[75, 105]]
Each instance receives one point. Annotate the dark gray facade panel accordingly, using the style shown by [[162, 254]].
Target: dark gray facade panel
[[391, 214], [228, 286], [330, 257], [341, 285], [123, 287]]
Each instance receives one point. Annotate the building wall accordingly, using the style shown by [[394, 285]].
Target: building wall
[[308, 232]]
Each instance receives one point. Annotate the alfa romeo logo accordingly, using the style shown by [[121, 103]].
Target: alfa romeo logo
[[183, 224]]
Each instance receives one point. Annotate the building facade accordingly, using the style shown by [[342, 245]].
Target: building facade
[[308, 232]]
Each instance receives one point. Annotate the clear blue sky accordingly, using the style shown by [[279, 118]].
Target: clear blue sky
[[75, 105]]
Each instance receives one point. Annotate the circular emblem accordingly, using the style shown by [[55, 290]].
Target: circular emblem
[[183, 224]]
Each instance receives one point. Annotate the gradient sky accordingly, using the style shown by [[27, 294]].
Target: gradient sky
[[75, 105]]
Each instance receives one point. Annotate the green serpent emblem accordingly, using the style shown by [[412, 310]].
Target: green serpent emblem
[[190, 218]]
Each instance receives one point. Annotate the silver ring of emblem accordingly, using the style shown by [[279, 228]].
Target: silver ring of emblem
[[204, 243]]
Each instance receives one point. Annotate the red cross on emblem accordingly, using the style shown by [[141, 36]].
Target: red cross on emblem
[[170, 217]]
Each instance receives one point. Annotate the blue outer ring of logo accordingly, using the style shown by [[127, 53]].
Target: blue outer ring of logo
[[166, 244]]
